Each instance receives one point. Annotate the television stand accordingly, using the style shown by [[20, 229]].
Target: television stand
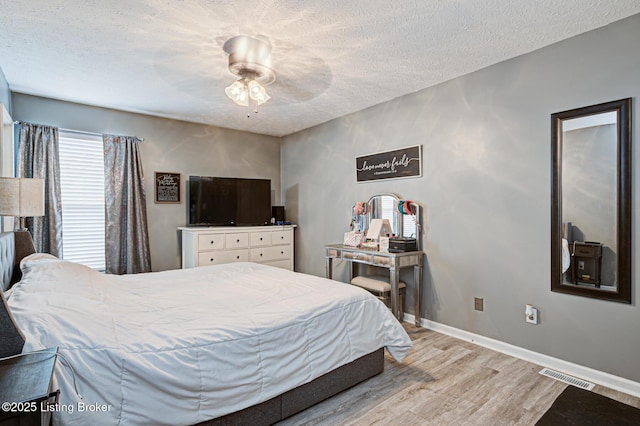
[[269, 245]]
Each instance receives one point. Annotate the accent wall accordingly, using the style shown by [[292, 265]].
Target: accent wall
[[486, 194]]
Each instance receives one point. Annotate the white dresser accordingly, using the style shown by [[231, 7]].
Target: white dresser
[[271, 245]]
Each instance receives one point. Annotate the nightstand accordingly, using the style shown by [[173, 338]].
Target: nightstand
[[25, 388], [586, 261]]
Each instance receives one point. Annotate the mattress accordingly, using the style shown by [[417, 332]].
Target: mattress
[[180, 347]]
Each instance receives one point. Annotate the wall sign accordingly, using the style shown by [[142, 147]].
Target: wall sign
[[167, 188], [400, 163]]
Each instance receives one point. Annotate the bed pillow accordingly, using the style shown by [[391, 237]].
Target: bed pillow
[[39, 257], [45, 268], [36, 259]]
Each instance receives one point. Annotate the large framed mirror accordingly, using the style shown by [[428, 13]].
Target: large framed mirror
[[591, 201]]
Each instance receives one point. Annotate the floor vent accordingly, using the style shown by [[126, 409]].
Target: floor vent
[[579, 383]]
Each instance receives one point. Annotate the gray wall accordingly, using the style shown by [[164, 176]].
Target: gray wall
[[486, 193], [5, 93], [169, 146]]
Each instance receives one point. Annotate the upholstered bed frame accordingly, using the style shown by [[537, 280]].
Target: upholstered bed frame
[[16, 245], [13, 247], [307, 395]]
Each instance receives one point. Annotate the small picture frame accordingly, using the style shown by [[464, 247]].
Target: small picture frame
[[167, 188]]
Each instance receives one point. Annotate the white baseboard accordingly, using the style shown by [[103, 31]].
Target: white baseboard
[[589, 374]]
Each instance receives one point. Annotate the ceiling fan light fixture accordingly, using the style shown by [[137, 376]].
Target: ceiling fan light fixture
[[249, 58], [237, 92], [257, 92]]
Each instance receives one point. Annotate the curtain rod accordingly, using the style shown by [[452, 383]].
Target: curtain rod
[[79, 131]]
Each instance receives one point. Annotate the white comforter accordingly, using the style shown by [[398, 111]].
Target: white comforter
[[180, 347]]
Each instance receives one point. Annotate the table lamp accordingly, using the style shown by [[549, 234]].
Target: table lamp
[[22, 198]]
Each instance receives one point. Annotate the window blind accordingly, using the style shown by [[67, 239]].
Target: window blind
[[82, 198]]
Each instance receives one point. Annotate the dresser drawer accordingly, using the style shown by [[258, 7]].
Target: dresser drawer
[[233, 241], [220, 257], [281, 237], [586, 250], [210, 241], [260, 239], [225, 244], [268, 254]]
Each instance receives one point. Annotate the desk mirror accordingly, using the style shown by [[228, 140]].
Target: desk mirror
[[591, 201], [384, 206]]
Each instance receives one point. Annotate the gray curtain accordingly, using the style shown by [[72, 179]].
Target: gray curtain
[[38, 158], [127, 241]]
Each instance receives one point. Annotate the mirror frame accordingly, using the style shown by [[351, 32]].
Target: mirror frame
[[623, 214]]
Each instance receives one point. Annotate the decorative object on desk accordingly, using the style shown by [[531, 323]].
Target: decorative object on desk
[[406, 207], [384, 244], [167, 188], [379, 228], [399, 163], [360, 209], [370, 245], [352, 239], [402, 245], [22, 198]]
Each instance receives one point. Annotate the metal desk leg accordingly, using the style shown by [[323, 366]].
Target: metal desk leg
[[417, 283], [329, 267], [393, 280]]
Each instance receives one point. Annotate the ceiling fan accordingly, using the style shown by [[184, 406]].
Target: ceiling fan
[[249, 59]]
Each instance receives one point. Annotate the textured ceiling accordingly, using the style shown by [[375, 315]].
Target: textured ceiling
[[331, 57]]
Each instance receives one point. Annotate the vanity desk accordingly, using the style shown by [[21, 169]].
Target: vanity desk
[[394, 262]]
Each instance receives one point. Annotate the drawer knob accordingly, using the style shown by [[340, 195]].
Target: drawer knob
[[260, 254], [260, 238], [282, 237], [237, 257], [211, 260], [281, 252], [237, 241], [211, 241]]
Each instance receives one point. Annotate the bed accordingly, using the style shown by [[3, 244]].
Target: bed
[[226, 344]]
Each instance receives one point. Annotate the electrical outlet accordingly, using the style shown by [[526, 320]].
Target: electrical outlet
[[580, 264], [478, 303], [531, 314]]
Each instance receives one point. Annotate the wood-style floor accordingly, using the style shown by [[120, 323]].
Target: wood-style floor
[[446, 381]]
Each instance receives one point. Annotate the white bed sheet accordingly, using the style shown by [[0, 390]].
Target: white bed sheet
[[180, 347]]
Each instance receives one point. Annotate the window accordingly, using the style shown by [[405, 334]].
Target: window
[[82, 197]]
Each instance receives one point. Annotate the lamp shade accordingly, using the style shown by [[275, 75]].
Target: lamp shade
[[21, 197]]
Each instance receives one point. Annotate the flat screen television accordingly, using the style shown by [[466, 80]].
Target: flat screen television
[[218, 201]]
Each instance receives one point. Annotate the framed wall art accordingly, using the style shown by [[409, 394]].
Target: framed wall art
[[399, 163], [167, 188]]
